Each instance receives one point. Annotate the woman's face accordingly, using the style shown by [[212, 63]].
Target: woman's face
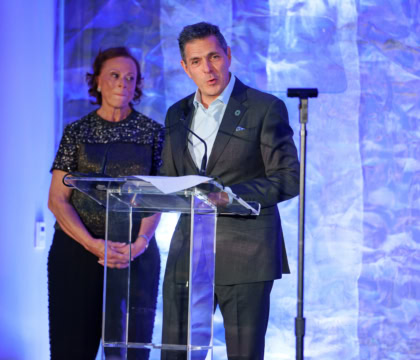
[[117, 82]]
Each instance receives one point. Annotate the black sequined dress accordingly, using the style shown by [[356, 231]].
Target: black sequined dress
[[75, 280]]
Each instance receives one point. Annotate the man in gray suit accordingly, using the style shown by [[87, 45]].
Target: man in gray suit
[[251, 151]]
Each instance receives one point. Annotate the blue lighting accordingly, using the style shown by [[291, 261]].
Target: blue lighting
[[363, 170]]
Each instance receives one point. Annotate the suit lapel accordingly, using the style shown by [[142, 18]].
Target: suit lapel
[[183, 159], [235, 110]]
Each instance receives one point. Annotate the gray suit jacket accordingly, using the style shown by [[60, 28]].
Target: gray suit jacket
[[255, 155]]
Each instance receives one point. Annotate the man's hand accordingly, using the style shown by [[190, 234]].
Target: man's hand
[[218, 198]]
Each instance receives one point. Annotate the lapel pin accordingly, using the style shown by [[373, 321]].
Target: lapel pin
[[237, 112], [239, 128]]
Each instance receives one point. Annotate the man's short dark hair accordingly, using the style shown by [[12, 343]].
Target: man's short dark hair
[[200, 31]]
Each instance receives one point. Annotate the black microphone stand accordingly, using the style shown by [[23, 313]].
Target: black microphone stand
[[303, 95]]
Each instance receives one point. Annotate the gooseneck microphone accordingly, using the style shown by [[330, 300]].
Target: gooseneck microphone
[[204, 160], [105, 160]]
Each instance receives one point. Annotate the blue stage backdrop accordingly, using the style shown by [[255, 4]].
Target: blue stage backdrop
[[363, 172]]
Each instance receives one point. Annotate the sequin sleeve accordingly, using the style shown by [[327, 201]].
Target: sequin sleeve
[[157, 150], [66, 157]]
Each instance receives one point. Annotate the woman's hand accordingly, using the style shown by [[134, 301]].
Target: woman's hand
[[70, 223], [119, 253]]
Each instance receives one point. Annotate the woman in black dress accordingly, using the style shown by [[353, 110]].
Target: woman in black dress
[[131, 144]]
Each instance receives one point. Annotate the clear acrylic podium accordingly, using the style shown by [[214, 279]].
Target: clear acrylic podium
[[132, 319]]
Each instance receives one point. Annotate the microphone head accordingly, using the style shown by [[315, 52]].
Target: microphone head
[[204, 162], [302, 93]]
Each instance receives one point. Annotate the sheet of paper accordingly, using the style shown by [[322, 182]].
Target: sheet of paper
[[170, 184]]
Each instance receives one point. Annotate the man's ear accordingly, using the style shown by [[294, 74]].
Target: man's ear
[[184, 66], [229, 55]]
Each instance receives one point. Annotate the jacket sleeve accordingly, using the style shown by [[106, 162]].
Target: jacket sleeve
[[168, 163], [279, 156]]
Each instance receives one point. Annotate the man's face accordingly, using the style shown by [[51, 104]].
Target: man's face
[[208, 66]]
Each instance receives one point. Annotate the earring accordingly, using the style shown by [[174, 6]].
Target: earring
[[99, 89]]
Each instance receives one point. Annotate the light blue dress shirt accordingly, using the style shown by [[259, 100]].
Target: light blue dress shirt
[[206, 122]]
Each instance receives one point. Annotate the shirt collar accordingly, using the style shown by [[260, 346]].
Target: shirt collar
[[223, 97]]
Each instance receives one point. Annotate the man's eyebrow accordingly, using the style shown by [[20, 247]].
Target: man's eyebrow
[[207, 55]]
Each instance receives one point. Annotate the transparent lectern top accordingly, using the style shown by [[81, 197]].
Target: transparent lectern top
[[139, 195]]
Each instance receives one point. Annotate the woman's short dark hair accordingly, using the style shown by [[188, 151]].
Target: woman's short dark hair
[[199, 31], [104, 55]]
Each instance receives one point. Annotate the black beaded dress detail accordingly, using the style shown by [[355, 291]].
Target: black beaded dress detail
[[95, 146]]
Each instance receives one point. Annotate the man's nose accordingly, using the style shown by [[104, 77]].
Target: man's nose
[[207, 66]]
